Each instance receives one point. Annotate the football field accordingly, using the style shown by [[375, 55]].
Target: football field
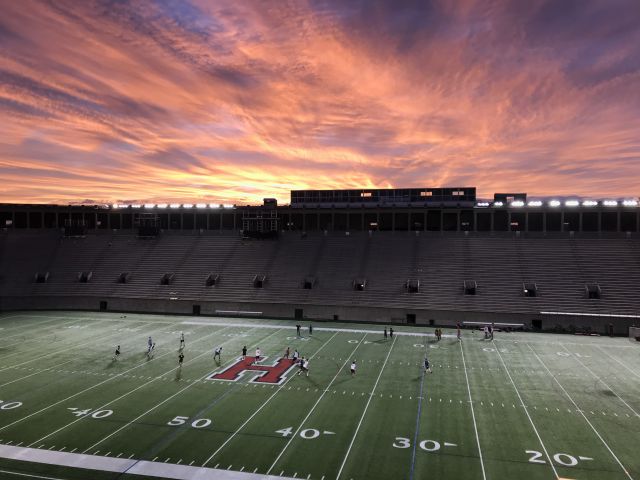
[[521, 406]]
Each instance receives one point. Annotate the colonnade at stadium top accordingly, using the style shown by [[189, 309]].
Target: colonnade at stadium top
[[599, 218]]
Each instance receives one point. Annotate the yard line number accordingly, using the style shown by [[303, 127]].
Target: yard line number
[[307, 434], [563, 459], [198, 423], [9, 405], [88, 412], [426, 445]]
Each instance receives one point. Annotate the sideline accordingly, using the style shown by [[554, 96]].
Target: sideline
[[131, 466]]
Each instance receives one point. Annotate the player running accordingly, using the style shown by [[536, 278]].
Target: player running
[[295, 355], [427, 366], [116, 353], [258, 355], [301, 365], [304, 367], [353, 368], [216, 353], [391, 332], [385, 333], [151, 350], [310, 329], [181, 340], [459, 332], [180, 359], [149, 343], [286, 354]]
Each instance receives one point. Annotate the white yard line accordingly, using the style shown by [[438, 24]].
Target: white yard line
[[524, 407], [121, 465], [29, 329], [146, 362], [579, 410], [129, 392], [264, 404], [619, 362], [355, 434], [295, 434], [473, 415], [172, 396], [575, 357], [36, 373]]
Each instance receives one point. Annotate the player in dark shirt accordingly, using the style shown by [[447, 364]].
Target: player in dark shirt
[[180, 358], [244, 352]]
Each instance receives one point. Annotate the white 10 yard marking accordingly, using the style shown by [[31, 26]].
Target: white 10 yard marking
[[95, 414], [426, 445], [563, 459], [199, 423], [9, 405], [307, 434]]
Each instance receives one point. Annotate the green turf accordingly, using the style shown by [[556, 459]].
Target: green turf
[[581, 398]]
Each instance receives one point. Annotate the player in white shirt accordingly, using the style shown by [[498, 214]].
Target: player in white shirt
[[258, 355], [181, 340], [295, 355], [353, 368], [216, 353], [149, 343]]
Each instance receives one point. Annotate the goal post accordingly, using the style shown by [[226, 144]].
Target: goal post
[[634, 334]]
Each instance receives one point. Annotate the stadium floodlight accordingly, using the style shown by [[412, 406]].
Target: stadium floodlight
[[571, 203], [517, 203], [226, 205], [136, 205], [630, 203], [162, 205], [589, 203], [554, 203], [610, 203], [122, 205], [482, 204], [201, 205], [187, 205], [174, 205], [535, 203], [149, 205], [498, 204], [115, 205]]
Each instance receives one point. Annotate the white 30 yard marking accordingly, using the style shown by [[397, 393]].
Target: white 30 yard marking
[[278, 390], [365, 410], [582, 413], [340, 370], [555, 472], [473, 414]]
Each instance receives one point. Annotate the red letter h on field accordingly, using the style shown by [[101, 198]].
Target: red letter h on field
[[264, 373]]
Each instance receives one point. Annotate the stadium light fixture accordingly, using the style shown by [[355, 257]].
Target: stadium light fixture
[[610, 203], [136, 205], [535, 203], [226, 205], [554, 203], [630, 203], [201, 205], [571, 203], [174, 205], [589, 203], [187, 205], [482, 204], [498, 204], [115, 205], [149, 205], [162, 205], [517, 203]]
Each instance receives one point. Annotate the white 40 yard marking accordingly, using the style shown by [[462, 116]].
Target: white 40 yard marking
[[9, 405], [563, 459], [426, 445], [198, 423], [307, 434], [96, 414]]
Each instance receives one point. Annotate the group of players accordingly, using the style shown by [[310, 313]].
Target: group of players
[[302, 362]]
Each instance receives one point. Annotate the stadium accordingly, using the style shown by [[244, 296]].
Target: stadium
[[344, 278]]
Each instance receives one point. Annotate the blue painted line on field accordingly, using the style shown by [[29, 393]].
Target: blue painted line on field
[[415, 437]]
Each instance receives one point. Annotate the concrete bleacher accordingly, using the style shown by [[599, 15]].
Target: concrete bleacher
[[560, 266]]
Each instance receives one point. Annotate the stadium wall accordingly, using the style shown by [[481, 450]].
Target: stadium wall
[[386, 316]]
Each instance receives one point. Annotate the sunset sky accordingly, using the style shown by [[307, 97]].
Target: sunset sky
[[232, 101]]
